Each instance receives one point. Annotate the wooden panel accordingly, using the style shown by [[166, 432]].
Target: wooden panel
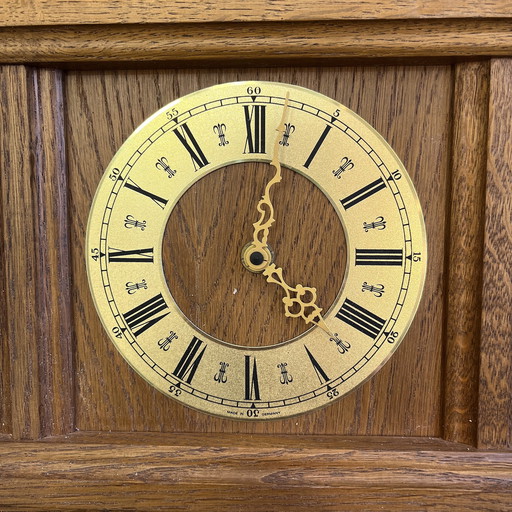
[[495, 417], [410, 106], [261, 478], [56, 12], [469, 150], [35, 255], [19, 253], [302, 41]]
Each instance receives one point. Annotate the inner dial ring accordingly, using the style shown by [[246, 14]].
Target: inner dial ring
[[366, 184]]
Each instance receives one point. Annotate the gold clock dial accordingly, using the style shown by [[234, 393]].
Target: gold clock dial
[[285, 128]]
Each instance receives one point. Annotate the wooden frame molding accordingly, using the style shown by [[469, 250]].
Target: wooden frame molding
[[201, 473], [52, 12], [192, 43]]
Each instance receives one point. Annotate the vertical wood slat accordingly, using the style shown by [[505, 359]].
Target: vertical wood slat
[[5, 366], [34, 199], [495, 408], [54, 275], [471, 100], [20, 256]]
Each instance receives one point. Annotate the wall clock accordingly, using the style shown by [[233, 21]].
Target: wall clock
[[231, 132]]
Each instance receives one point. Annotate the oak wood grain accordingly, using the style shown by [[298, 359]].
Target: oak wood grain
[[58, 12], [467, 207], [55, 339], [187, 43], [197, 477], [410, 106], [495, 407], [19, 252]]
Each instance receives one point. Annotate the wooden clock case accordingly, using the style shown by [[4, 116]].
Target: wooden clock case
[[80, 431]]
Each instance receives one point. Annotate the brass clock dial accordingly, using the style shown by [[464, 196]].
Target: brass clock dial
[[284, 127]]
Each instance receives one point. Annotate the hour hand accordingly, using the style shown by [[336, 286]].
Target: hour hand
[[299, 301]]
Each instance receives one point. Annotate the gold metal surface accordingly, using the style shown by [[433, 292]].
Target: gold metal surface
[[367, 186]]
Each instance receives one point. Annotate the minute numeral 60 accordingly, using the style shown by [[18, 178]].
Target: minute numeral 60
[[253, 90]]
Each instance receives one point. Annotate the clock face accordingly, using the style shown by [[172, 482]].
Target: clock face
[[221, 133]]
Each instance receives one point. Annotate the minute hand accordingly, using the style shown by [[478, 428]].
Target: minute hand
[[265, 207], [299, 301]]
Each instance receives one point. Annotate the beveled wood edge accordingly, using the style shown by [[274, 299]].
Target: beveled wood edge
[[55, 12], [293, 465], [255, 42], [465, 250]]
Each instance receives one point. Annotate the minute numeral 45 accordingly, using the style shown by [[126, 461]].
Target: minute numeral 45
[[145, 315]]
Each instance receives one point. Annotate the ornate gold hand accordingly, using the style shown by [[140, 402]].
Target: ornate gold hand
[[299, 301], [256, 255]]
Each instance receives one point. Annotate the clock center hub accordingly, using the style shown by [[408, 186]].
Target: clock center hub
[[256, 259]]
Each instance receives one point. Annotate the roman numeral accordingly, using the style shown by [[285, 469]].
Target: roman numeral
[[381, 257], [160, 201], [186, 368], [362, 194], [360, 318], [317, 146], [320, 372], [188, 140], [144, 316], [255, 126], [134, 256], [252, 387]]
